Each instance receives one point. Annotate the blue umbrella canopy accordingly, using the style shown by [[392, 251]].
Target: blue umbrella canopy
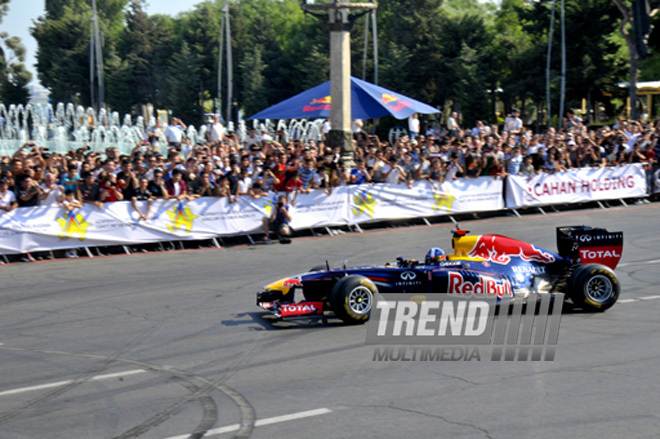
[[368, 101]]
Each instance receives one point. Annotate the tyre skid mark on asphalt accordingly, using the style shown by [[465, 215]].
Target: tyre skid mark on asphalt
[[179, 376], [209, 407], [106, 361], [248, 415], [262, 422], [63, 383]]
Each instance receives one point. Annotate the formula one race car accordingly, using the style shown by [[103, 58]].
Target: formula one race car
[[491, 265]]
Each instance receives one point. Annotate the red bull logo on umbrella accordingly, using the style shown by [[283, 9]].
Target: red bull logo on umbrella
[[318, 104], [500, 249], [394, 103]]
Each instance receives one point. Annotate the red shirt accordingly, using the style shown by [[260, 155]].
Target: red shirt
[[280, 172], [649, 155], [292, 185], [111, 194]]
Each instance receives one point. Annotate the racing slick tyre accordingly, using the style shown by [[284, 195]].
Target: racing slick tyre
[[352, 299], [594, 287]]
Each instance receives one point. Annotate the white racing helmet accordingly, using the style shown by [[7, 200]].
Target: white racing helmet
[[435, 255]]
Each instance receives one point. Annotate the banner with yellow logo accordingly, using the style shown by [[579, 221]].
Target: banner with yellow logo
[[51, 227]]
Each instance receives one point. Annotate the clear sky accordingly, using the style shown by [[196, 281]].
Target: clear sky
[[22, 12]]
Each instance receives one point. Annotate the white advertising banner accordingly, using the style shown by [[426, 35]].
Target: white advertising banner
[[386, 201], [575, 186], [51, 227]]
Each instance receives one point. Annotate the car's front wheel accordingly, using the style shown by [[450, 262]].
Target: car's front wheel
[[352, 299], [594, 287]]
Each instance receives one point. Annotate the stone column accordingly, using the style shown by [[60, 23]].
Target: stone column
[[340, 83]]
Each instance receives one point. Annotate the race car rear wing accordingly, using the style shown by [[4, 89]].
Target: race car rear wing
[[589, 245]]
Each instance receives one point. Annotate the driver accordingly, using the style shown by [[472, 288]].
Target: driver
[[434, 256]]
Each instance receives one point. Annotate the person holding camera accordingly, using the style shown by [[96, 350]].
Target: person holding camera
[[360, 175], [215, 132], [174, 132], [453, 169], [110, 191], [278, 222], [28, 192], [268, 180]]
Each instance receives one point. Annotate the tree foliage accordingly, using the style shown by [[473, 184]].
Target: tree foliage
[[14, 76], [451, 53]]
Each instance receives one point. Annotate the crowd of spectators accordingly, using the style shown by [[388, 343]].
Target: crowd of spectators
[[167, 165]]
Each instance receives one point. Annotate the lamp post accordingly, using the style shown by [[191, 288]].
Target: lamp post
[[99, 57], [340, 22], [225, 33]]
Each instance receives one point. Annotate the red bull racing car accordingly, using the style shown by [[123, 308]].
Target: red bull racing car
[[491, 265]]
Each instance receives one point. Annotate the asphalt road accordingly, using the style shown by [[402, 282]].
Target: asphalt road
[[167, 345]]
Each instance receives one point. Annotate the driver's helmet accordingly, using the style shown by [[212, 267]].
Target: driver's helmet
[[435, 255]]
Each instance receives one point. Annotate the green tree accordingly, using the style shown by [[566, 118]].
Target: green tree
[[184, 86], [63, 54], [253, 81], [201, 32], [591, 68], [14, 76], [63, 37], [164, 42], [463, 65], [411, 39], [130, 73]]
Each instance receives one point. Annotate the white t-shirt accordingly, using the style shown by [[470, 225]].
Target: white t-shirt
[[158, 132], [51, 198], [425, 167], [249, 140], [632, 138], [392, 177], [174, 133], [8, 198], [513, 124], [244, 185], [451, 173], [177, 188], [451, 124], [216, 132], [413, 124]]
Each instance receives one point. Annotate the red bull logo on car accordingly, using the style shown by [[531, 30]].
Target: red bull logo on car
[[485, 286], [500, 249], [318, 104], [394, 103], [292, 283]]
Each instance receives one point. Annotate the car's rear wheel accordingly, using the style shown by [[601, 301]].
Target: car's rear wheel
[[352, 299], [594, 287]]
